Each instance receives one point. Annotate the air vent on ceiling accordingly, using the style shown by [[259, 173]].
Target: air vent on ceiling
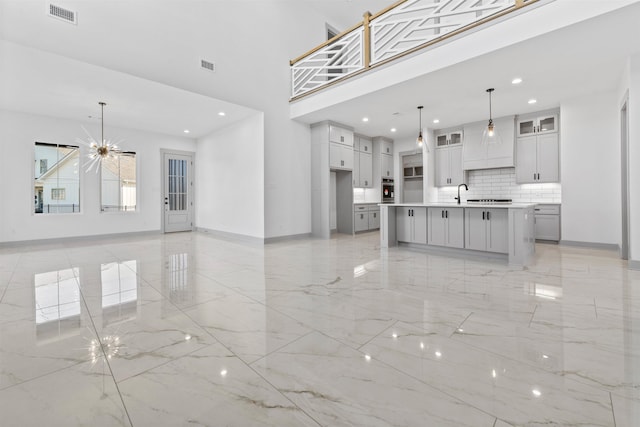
[[210, 66], [63, 14]]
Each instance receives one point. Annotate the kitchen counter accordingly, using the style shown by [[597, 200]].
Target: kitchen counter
[[497, 230]]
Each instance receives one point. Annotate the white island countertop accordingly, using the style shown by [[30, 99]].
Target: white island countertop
[[464, 205]]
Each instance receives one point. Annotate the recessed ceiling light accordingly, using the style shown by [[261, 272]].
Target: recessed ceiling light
[[436, 121], [222, 113], [365, 119], [393, 129], [516, 81], [186, 131], [533, 101]]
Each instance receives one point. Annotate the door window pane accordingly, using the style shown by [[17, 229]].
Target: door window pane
[[177, 185]]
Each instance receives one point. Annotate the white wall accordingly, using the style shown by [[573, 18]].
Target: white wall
[[634, 159], [590, 169], [19, 132], [230, 179]]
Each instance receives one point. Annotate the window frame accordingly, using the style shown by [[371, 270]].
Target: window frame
[[120, 211], [32, 179]]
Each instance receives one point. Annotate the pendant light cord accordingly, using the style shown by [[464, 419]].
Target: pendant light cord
[[102, 104]]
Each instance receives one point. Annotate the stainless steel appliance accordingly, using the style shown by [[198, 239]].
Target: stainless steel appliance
[[388, 195]]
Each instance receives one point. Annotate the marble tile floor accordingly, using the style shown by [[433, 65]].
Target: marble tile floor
[[186, 329]]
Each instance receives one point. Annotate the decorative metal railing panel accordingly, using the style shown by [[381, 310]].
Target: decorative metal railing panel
[[401, 29], [417, 22], [333, 61]]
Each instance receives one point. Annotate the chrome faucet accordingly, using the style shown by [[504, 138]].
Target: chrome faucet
[[465, 187]]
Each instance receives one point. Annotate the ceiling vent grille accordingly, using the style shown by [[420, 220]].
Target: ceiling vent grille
[[63, 14], [210, 66]]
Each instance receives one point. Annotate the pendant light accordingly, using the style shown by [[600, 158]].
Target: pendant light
[[420, 141], [490, 134], [99, 151]]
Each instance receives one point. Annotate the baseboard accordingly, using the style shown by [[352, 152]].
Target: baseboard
[[592, 245], [277, 239], [232, 237], [633, 264], [22, 243]]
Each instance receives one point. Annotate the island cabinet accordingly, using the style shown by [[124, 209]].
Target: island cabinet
[[445, 227], [411, 224], [486, 229]]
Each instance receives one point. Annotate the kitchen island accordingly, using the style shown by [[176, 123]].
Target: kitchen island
[[505, 231]]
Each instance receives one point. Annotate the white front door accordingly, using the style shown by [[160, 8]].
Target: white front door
[[177, 192]]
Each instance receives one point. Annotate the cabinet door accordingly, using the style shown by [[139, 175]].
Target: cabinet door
[[547, 124], [366, 170], [374, 220], [386, 147], [455, 138], [474, 152], [475, 229], [442, 167], [436, 226], [419, 225], [335, 156], [365, 145], [455, 227], [498, 230], [527, 127], [548, 227], [526, 158], [403, 224], [356, 169], [347, 137], [456, 174], [442, 140], [387, 166], [361, 221], [548, 162], [346, 157]]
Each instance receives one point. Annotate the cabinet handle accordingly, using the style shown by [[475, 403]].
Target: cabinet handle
[[446, 214], [361, 216], [375, 214], [366, 148], [483, 215], [534, 176], [538, 177], [342, 139], [441, 214], [341, 162], [488, 216]]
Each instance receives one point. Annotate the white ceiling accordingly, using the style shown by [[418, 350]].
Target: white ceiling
[[568, 63], [572, 62]]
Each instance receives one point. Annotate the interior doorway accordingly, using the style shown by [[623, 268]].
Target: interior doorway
[[177, 191], [624, 160]]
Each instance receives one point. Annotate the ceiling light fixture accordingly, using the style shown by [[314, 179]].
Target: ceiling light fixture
[[420, 142], [436, 121], [533, 101], [490, 134], [186, 131], [393, 129], [221, 113], [516, 81], [365, 119], [102, 150]]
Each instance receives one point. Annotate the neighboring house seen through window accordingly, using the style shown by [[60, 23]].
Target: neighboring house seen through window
[[119, 186], [56, 178]]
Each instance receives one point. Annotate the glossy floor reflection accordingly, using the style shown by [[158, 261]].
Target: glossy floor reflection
[[186, 329]]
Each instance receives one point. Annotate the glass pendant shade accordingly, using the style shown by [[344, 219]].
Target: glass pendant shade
[[420, 140], [491, 134]]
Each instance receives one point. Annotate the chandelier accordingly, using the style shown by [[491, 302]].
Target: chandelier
[[99, 151]]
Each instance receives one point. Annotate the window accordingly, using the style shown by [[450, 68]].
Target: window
[[58, 194], [56, 178], [119, 183]]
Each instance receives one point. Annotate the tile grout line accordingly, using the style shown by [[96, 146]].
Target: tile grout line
[[595, 307], [495, 422], [376, 335], [460, 325]]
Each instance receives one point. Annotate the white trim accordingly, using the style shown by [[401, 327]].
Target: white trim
[[231, 237], [23, 243], [592, 245], [634, 264]]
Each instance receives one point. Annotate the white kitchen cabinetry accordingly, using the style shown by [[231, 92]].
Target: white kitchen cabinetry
[[547, 222], [363, 163], [341, 135], [445, 227], [486, 229], [386, 162], [449, 166], [411, 224], [537, 159], [447, 138], [546, 123], [340, 156], [366, 217], [477, 155]]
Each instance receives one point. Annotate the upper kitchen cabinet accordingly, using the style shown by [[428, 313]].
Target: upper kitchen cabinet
[[448, 137], [538, 124], [477, 155], [363, 162], [537, 159], [448, 166], [382, 158], [340, 135]]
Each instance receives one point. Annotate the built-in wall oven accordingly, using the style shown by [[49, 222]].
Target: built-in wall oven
[[388, 195]]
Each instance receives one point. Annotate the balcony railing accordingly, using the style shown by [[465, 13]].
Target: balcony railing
[[401, 29]]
